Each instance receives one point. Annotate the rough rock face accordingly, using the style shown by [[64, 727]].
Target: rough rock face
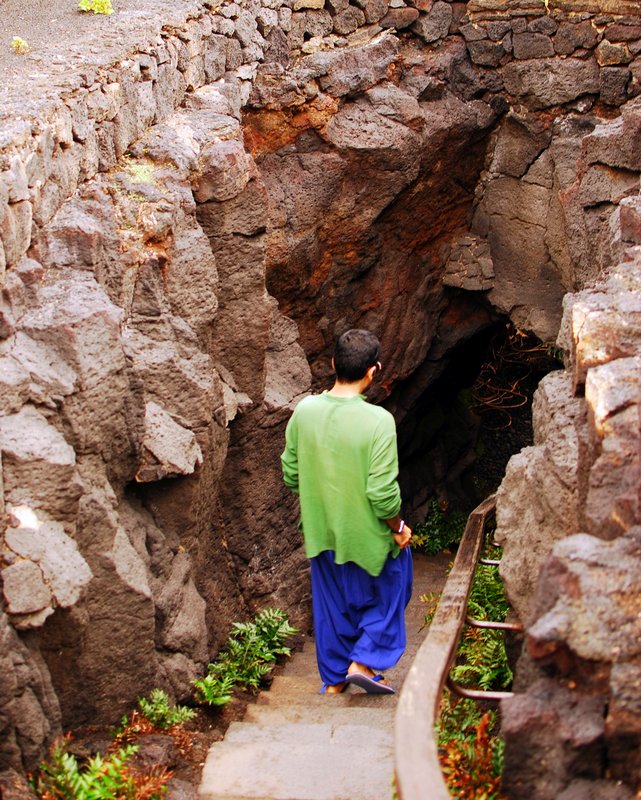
[[184, 233], [578, 592], [117, 402], [568, 516], [540, 499]]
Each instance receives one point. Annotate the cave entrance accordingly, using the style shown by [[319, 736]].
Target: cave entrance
[[455, 443]]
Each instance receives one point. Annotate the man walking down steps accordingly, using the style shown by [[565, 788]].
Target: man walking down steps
[[341, 459]]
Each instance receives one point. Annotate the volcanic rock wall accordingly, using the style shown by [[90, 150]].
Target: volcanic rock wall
[[568, 515], [184, 228]]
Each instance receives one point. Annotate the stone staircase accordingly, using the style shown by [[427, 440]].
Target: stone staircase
[[295, 744]]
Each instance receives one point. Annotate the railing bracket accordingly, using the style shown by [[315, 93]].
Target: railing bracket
[[476, 694], [498, 626]]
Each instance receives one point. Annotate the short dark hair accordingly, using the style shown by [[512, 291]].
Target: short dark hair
[[356, 351]]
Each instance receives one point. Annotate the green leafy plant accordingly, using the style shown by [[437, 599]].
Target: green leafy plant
[[440, 530], [96, 6], [19, 46], [102, 777], [214, 689], [153, 715], [481, 656], [161, 712], [470, 749], [248, 657]]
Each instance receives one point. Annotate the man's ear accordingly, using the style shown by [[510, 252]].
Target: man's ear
[[333, 365]]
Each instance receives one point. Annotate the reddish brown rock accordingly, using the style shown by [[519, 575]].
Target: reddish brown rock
[[608, 54], [593, 665], [373, 9], [306, 24], [435, 23], [550, 734], [532, 45], [142, 330], [630, 208], [568, 79], [623, 33], [399, 18], [614, 85], [570, 36], [348, 21], [486, 54]]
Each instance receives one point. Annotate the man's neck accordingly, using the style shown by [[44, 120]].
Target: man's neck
[[341, 389]]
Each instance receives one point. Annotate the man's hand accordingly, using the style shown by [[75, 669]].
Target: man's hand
[[403, 539]]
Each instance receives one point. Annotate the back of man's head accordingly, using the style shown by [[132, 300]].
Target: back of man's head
[[356, 351]]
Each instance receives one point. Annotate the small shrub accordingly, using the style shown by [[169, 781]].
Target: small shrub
[[440, 530], [101, 778], [160, 711], [96, 6], [19, 46], [132, 726], [248, 657]]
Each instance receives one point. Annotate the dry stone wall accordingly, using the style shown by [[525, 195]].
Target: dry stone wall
[[191, 216]]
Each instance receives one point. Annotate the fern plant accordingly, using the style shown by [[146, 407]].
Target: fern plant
[[213, 690], [101, 778], [248, 657], [470, 750], [160, 711], [481, 656], [472, 764]]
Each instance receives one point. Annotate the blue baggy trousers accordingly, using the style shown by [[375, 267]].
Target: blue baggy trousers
[[358, 617]]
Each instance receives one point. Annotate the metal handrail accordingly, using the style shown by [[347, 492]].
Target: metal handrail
[[418, 771]]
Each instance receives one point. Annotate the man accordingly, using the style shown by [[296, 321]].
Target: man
[[341, 459]]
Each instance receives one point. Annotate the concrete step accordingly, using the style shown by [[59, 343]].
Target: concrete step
[[302, 664], [294, 734], [321, 770], [296, 744], [328, 712], [346, 700], [295, 685]]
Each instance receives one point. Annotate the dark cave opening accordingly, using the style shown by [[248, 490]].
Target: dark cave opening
[[455, 443]]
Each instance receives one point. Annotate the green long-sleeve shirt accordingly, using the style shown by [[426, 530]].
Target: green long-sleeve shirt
[[341, 458]]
